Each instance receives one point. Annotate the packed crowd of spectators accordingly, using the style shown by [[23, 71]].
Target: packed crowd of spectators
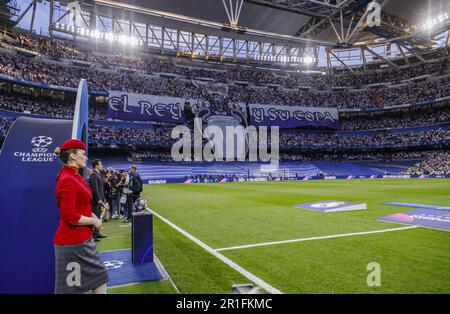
[[387, 156], [160, 136], [69, 76], [437, 162], [434, 162], [380, 139], [210, 178], [150, 155], [51, 108], [5, 124], [45, 71], [106, 135], [56, 74], [347, 156], [69, 50], [372, 98], [399, 119], [371, 156]]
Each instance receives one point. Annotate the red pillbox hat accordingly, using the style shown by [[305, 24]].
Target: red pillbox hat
[[73, 144]]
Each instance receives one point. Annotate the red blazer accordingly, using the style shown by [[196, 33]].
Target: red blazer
[[74, 200]]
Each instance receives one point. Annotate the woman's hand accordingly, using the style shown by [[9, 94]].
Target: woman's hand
[[97, 223]]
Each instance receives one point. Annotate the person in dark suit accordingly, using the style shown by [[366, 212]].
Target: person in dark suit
[[98, 193]]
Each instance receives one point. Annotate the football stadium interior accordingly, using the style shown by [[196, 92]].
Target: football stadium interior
[[345, 190]]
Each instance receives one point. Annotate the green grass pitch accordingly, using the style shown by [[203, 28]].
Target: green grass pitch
[[232, 214]]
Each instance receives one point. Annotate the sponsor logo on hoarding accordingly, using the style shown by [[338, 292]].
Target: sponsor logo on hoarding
[[397, 176], [157, 182]]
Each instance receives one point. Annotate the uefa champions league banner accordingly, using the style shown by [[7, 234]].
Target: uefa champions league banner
[[293, 117], [141, 107]]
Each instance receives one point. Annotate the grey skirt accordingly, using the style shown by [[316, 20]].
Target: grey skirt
[[79, 268]]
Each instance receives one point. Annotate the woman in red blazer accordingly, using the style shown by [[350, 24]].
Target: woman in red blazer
[[79, 266]]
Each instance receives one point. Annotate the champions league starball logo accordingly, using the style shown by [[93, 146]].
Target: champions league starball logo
[[39, 153], [327, 204], [112, 264], [40, 142]]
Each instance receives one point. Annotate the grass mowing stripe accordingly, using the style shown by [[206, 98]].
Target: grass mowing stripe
[[226, 260], [313, 238]]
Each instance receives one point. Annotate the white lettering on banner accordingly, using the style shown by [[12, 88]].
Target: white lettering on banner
[[285, 113], [125, 104], [258, 114], [113, 102], [145, 105]]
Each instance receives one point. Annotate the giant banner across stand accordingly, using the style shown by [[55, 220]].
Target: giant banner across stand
[[293, 117], [141, 107]]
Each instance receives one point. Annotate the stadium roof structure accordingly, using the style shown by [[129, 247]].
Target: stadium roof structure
[[308, 18], [268, 31], [8, 9]]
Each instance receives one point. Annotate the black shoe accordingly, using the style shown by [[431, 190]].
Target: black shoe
[[96, 239], [100, 236]]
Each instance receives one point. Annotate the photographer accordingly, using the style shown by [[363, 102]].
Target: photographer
[[115, 183], [124, 191], [135, 187]]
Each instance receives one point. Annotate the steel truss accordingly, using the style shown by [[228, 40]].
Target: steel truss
[[346, 18], [193, 44]]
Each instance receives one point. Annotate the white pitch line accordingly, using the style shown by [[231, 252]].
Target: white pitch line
[[224, 259], [116, 237], [313, 238]]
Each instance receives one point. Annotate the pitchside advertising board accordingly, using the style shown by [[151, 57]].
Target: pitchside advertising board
[[304, 178], [28, 210], [428, 218], [332, 206]]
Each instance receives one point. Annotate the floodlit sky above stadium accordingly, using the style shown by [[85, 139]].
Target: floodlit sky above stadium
[[41, 19], [415, 11], [41, 23]]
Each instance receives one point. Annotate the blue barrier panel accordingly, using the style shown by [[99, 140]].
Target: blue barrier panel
[[29, 215], [28, 211], [142, 237]]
